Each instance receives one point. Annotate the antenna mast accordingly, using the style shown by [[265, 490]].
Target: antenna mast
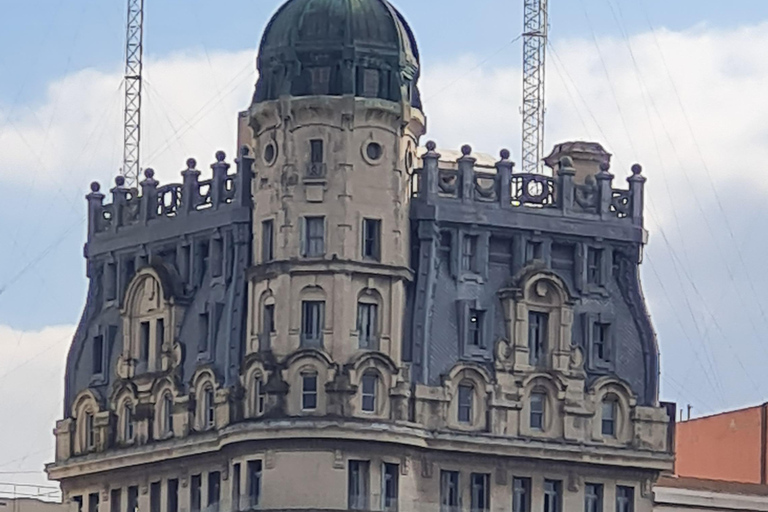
[[134, 46], [534, 61]]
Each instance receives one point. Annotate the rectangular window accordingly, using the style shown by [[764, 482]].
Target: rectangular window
[[372, 239], [90, 432], [553, 501], [93, 502], [78, 503], [369, 392], [476, 317], [449, 491], [98, 355], [593, 498], [521, 495], [144, 341], [481, 492], [115, 499], [172, 502], [269, 319], [236, 487], [195, 493], [533, 251], [600, 333], [309, 391], [359, 477], [594, 264], [312, 322], [465, 403], [159, 335], [154, 497], [608, 424], [367, 323], [469, 253], [537, 337], [314, 236], [133, 499], [625, 499], [204, 323], [254, 483], [267, 241], [316, 150], [214, 491], [537, 410], [390, 487]]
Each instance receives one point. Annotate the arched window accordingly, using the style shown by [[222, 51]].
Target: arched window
[[537, 410], [128, 430], [167, 411], [608, 421], [369, 384], [259, 395], [209, 413], [146, 315], [465, 399], [90, 434]]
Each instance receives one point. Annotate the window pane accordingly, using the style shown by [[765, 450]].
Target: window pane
[[480, 492], [367, 325], [173, 495], [254, 482], [465, 403], [469, 253], [537, 337], [521, 499], [369, 392], [358, 484], [93, 502], [371, 238], [154, 497], [236, 487], [538, 401], [390, 487], [593, 498], [214, 491], [313, 322], [316, 148], [552, 497], [133, 499], [309, 391], [144, 341], [167, 413], [609, 418], [449, 491], [315, 236], [625, 499], [476, 327], [594, 262], [115, 498]]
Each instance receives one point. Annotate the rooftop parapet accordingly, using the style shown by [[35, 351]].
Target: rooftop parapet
[[533, 193], [153, 204]]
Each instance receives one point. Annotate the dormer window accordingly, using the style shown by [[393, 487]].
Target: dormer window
[[466, 392], [608, 420], [594, 266], [537, 337]]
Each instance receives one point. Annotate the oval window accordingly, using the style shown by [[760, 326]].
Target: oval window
[[270, 153], [374, 151]]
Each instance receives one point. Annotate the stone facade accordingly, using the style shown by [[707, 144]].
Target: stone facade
[[341, 320]]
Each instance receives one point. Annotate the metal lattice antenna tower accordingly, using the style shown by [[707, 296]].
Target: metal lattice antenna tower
[[134, 46], [534, 61]]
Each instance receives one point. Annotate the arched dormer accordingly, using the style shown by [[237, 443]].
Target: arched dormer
[[265, 321], [85, 409], [254, 379], [613, 402], [540, 311], [124, 404], [467, 388], [149, 318], [374, 374], [307, 372], [164, 396], [211, 410], [541, 414]]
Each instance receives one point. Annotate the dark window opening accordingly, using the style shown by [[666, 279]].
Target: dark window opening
[[370, 382], [267, 240], [78, 502], [390, 487], [533, 251], [159, 336], [90, 432], [476, 317], [608, 423], [309, 391], [195, 494], [154, 497], [254, 483], [93, 502], [358, 484], [269, 319], [173, 495], [593, 498], [481, 492], [133, 499], [469, 254], [538, 402], [236, 487], [98, 355], [314, 236], [625, 499], [374, 151], [203, 334], [214, 491], [521, 495], [600, 333], [144, 342], [312, 322], [367, 325], [445, 240], [115, 499], [316, 151], [553, 490], [466, 393], [537, 337], [372, 239], [594, 265], [449, 491]]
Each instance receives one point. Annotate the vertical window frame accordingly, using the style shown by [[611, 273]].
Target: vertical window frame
[[369, 384], [368, 325], [450, 491], [537, 411], [390, 487], [309, 391], [538, 337], [465, 403], [312, 322], [593, 497], [267, 240], [371, 239], [358, 485], [521, 494]]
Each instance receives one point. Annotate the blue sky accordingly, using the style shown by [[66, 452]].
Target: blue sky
[[668, 98]]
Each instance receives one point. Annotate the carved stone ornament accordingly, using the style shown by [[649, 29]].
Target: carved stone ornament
[[577, 358]]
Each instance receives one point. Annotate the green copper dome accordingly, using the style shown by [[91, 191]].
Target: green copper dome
[[338, 47]]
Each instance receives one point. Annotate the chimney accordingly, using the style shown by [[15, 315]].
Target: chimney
[[587, 158]]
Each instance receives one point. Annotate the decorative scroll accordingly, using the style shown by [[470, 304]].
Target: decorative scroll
[[532, 190]]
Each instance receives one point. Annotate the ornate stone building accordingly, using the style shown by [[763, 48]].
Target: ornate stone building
[[340, 320]]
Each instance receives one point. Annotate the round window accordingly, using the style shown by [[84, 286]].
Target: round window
[[374, 151], [270, 153]]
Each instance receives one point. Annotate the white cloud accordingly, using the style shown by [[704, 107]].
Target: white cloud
[[31, 396], [74, 136]]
